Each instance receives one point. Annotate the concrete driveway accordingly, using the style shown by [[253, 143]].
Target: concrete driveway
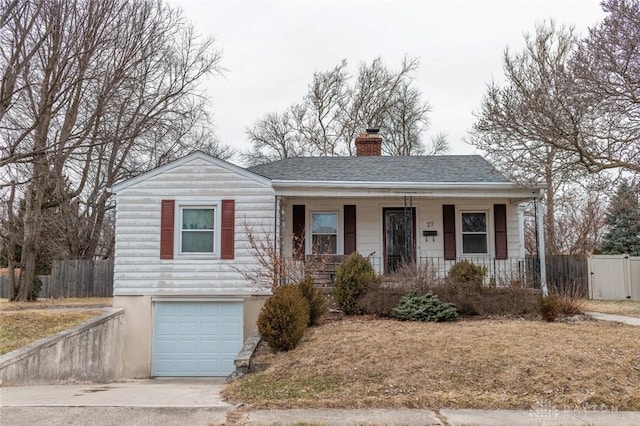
[[141, 402]]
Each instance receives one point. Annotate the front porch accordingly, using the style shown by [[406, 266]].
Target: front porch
[[513, 272]]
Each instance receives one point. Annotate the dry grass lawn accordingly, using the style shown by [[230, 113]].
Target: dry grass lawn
[[22, 323], [467, 364], [80, 302], [618, 307]]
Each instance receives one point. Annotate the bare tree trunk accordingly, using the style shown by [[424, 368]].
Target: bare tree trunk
[[550, 219], [11, 245]]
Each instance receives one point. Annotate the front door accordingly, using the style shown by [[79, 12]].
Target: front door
[[399, 227]]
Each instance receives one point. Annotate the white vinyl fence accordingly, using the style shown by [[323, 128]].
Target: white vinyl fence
[[614, 277]]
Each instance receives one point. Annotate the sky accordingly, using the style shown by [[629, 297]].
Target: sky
[[271, 50]]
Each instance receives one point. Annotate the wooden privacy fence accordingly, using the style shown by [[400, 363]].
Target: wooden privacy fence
[[564, 273], [73, 278], [614, 277]]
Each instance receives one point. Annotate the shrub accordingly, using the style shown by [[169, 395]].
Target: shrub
[[420, 278], [424, 308], [467, 272], [549, 307], [472, 299], [381, 301], [354, 277], [314, 298], [283, 318], [570, 299]]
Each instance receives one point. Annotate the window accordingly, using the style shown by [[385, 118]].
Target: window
[[198, 230], [324, 233], [474, 233]]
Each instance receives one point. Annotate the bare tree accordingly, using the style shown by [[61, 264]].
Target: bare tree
[[105, 90], [606, 67], [338, 107], [521, 124]]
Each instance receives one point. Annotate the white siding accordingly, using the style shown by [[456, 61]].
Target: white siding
[[138, 267]]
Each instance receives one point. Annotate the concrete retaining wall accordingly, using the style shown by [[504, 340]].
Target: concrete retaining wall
[[91, 351]]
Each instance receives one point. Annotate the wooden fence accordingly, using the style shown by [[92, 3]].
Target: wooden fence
[[564, 273], [73, 278]]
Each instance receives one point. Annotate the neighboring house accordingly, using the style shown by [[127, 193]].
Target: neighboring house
[[181, 238]]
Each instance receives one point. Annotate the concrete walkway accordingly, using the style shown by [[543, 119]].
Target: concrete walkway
[[614, 318]]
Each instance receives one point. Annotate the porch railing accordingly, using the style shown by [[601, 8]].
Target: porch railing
[[510, 272], [562, 271]]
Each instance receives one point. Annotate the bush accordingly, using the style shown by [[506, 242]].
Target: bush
[[570, 299], [420, 278], [354, 277], [381, 301], [472, 299], [314, 298], [424, 308], [283, 318], [467, 272], [549, 307]]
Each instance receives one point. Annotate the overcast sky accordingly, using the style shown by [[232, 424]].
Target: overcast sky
[[271, 49]]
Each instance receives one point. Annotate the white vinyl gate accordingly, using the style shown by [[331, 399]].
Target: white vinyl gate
[[196, 338], [614, 277]]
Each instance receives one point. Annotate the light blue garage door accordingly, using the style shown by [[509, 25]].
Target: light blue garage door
[[196, 338]]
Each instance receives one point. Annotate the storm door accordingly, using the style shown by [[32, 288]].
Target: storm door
[[399, 227]]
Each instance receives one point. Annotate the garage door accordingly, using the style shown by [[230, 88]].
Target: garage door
[[196, 338]]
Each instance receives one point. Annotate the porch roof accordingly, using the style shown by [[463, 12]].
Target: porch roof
[[385, 169]]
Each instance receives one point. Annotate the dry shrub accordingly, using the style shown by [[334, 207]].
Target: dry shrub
[[419, 278], [549, 307], [570, 299], [469, 298], [284, 318], [381, 300]]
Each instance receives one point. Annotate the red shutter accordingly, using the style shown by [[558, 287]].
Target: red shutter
[[500, 224], [349, 229], [167, 215], [449, 231], [228, 229], [298, 231]]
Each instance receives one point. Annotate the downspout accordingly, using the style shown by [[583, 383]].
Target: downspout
[[541, 252], [277, 246]]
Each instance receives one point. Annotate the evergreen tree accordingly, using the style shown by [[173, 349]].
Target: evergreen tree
[[623, 220]]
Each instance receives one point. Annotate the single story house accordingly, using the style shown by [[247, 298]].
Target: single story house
[[182, 238]]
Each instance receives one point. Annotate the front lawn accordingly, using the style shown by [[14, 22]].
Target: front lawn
[[22, 323], [618, 307], [361, 362]]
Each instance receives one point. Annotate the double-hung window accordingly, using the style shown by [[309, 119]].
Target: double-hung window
[[324, 233], [198, 228], [474, 233]]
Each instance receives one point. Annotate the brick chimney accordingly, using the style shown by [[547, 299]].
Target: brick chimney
[[369, 143]]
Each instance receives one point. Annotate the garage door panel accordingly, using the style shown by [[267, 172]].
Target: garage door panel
[[196, 338]]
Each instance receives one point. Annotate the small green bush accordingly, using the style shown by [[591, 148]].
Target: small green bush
[[549, 307], [424, 308], [354, 277], [283, 318], [315, 299], [467, 272]]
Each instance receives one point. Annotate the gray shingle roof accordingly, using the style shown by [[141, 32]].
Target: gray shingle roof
[[440, 168]]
